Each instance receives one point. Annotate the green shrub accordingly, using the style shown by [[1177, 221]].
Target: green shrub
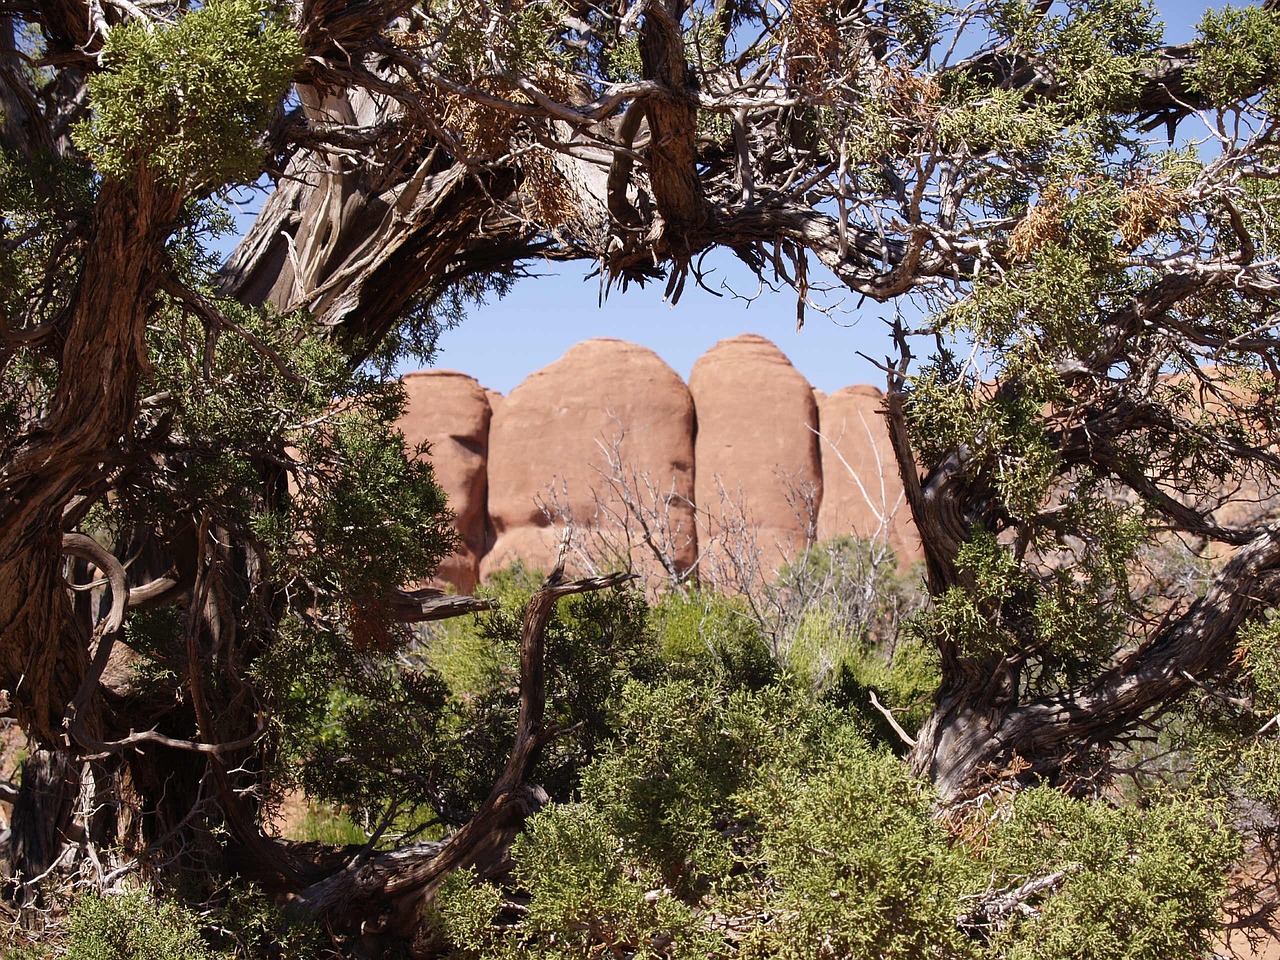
[[705, 636], [585, 897], [133, 926], [1140, 883], [855, 864], [669, 777], [596, 643], [250, 926], [904, 681]]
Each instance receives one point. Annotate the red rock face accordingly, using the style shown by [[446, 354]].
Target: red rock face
[[777, 463], [861, 489], [757, 455], [451, 412], [557, 439]]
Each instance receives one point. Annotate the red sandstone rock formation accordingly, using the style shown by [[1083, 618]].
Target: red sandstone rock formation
[[606, 404], [757, 455], [451, 412], [861, 489], [551, 444]]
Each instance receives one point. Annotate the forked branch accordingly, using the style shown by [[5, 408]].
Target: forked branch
[[396, 883]]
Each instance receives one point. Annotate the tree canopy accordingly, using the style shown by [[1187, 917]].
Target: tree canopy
[[209, 528]]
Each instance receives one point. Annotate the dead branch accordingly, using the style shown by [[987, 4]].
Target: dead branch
[[996, 911], [892, 720], [86, 548], [427, 604]]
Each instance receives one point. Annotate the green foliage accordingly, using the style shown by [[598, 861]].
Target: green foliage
[[45, 204], [426, 727], [859, 865], [190, 99], [669, 777], [133, 926], [463, 912], [353, 724], [583, 899], [776, 817], [524, 40], [1139, 884], [904, 680], [1260, 643], [268, 433], [596, 644], [371, 517], [844, 601], [1092, 55], [969, 616], [1239, 52], [1003, 431], [709, 635], [274, 396], [669, 783], [379, 743], [623, 63], [247, 924], [918, 23], [583, 895], [1235, 749], [244, 924]]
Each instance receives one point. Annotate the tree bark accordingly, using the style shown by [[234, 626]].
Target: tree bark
[[970, 737], [102, 359]]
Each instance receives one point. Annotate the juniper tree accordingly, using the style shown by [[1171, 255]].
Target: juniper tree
[[1080, 216]]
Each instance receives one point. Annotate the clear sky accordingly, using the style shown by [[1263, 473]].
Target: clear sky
[[504, 341]]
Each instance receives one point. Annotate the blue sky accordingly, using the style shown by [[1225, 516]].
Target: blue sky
[[504, 341]]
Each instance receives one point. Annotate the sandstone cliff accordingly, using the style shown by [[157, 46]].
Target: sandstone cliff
[[450, 411], [600, 439], [747, 461], [759, 477]]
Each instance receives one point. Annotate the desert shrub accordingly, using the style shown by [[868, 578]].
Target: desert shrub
[[904, 681], [853, 862], [133, 926], [1139, 883], [596, 643], [769, 824], [709, 636], [666, 782], [249, 925]]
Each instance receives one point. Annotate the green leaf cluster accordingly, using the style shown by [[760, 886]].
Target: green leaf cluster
[[1091, 56], [190, 99], [764, 824], [524, 41], [860, 866], [1238, 53], [133, 926], [1140, 883], [708, 635], [1001, 434], [596, 644]]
